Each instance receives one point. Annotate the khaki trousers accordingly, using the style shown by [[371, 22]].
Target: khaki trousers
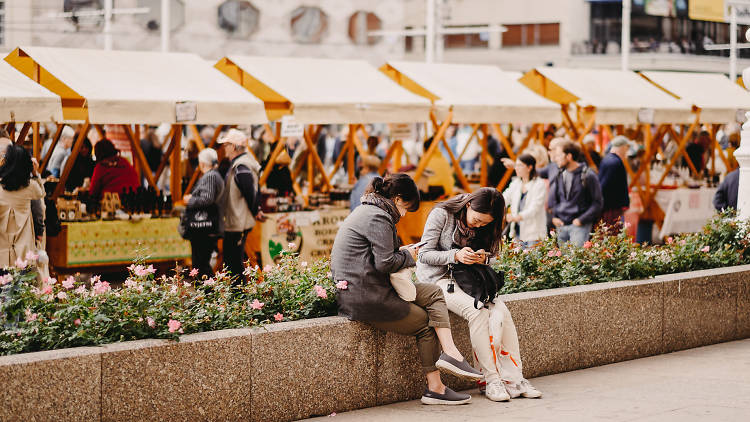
[[427, 311], [493, 334]]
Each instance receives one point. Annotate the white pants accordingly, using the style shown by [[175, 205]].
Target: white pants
[[493, 334]]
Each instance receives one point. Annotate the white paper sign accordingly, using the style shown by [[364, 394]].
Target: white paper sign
[[290, 128], [403, 131], [185, 111], [743, 11], [646, 115]]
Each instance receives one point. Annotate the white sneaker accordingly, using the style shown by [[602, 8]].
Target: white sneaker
[[529, 391], [496, 391], [514, 390]]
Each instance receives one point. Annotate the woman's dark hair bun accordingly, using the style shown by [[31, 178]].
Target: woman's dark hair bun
[[377, 184]]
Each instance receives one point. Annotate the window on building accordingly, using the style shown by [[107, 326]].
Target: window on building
[[360, 23], [309, 24], [152, 19], [409, 42], [239, 18], [531, 34], [82, 6], [480, 40]]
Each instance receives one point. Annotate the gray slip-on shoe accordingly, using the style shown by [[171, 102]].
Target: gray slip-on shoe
[[449, 398], [461, 368]]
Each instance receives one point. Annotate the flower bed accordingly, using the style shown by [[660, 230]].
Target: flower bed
[[71, 312]]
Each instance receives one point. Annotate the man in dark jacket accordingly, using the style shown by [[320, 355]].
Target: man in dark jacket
[[726, 196], [575, 197], [614, 184]]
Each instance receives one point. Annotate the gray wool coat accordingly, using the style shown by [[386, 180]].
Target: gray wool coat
[[365, 253], [435, 256]]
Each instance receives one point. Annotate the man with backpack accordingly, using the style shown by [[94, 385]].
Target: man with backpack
[[575, 196]]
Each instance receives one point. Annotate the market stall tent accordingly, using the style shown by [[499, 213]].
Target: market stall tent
[[23, 100], [324, 91], [128, 87], [481, 95], [720, 100]]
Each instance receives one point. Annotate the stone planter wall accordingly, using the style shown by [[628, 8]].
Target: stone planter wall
[[294, 370]]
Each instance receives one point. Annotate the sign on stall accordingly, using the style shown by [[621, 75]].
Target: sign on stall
[[646, 115], [743, 11], [309, 233], [403, 131], [185, 111], [290, 128]]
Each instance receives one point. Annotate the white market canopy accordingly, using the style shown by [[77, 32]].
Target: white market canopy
[[477, 93], [123, 87], [23, 100], [321, 91], [618, 97], [719, 99]]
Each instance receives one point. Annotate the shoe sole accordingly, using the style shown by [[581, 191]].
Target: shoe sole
[[524, 395], [431, 400], [456, 371], [496, 399]]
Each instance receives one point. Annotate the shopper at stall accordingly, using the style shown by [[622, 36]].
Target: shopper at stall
[[613, 180], [205, 197], [365, 253], [82, 169], [240, 201], [61, 151], [527, 195], [279, 177], [726, 196], [370, 166], [112, 173], [19, 185], [464, 232], [575, 196]]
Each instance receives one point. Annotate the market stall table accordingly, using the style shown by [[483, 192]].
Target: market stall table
[[685, 210]]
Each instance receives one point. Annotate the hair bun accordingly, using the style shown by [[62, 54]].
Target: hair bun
[[377, 184]]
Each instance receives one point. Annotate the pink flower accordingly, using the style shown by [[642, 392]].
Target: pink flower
[[5, 279], [682, 242], [267, 268], [130, 283], [62, 295], [303, 264], [150, 269], [320, 291], [329, 274], [101, 287], [278, 316], [140, 270], [77, 321], [551, 253], [30, 317], [20, 263], [31, 256], [633, 254], [46, 289], [342, 285], [670, 240], [558, 253], [194, 272], [81, 290], [706, 248], [173, 325], [587, 245], [256, 304], [209, 282], [150, 321], [95, 279], [291, 245], [69, 282], [173, 290]]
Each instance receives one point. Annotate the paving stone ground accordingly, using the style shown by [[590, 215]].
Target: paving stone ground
[[705, 384]]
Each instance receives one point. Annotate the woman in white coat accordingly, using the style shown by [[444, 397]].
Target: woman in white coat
[[527, 195]]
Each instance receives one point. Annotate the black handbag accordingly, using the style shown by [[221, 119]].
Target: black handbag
[[478, 281], [200, 222]]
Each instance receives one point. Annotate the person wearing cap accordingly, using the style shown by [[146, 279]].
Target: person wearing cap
[[240, 200], [61, 151], [112, 173], [370, 166], [614, 182], [206, 194]]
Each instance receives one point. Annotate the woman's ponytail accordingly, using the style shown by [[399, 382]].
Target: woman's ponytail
[[396, 185], [376, 186]]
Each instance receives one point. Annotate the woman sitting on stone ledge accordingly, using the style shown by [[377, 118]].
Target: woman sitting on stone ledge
[[467, 230], [365, 253]]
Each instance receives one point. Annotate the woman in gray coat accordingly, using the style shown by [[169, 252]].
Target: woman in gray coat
[[365, 253], [205, 195], [467, 229]]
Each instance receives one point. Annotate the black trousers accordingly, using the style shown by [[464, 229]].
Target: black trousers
[[234, 254], [201, 248]]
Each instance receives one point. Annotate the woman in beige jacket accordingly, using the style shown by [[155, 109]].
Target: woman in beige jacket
[[19, 185]]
